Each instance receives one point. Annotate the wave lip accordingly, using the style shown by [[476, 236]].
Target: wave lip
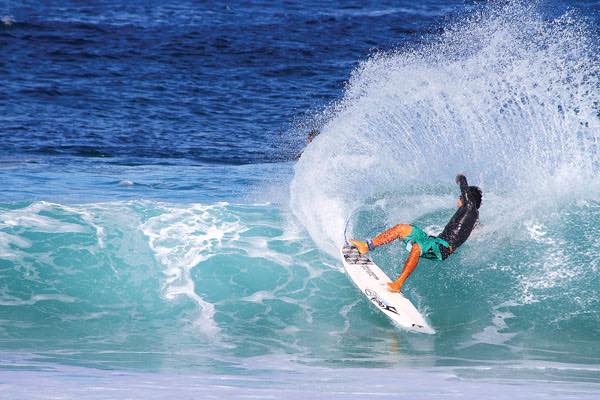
[[183, 237]]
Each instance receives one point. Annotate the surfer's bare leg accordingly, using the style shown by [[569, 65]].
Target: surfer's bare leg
[[395, 232], [409, 267]]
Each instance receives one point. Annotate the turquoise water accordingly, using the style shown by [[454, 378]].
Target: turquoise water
[[233, 295], [92, 282], [151, 277]]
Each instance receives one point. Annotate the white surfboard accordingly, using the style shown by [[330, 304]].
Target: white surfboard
[[371, 281]]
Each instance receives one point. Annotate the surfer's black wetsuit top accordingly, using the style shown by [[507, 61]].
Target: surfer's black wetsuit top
[[462, 222]]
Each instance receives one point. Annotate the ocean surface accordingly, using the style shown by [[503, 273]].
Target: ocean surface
[[166, 231]]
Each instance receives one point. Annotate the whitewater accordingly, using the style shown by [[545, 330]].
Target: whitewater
[[145, 285]]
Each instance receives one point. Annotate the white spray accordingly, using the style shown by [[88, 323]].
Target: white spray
[[504, 96]]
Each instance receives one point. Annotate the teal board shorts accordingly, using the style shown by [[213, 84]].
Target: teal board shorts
[[430, 245]]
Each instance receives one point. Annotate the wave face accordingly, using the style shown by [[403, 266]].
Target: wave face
[[151, 285], [148, 284]]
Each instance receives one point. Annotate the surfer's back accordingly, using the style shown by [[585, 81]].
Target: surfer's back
[[460, 226]]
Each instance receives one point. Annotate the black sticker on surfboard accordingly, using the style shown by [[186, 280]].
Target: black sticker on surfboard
[[377, 300]]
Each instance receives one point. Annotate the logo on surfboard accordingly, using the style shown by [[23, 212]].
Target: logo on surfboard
[[352, 256], [377, 300]]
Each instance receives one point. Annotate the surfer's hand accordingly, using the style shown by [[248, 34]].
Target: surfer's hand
[[362, 247]]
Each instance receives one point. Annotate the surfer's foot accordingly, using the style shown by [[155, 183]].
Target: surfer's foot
[[394, 287], [362, 247]]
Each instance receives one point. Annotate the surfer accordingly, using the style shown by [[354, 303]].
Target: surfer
[[309, 138], [436, 248], [311, 135]]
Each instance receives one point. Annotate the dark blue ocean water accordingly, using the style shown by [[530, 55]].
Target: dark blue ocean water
[[198, 81], [149, 82], [158, 232]]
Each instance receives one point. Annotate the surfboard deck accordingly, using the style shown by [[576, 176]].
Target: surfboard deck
[[371, 281]]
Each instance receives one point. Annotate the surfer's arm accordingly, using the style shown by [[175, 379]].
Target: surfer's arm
[[461, 180]]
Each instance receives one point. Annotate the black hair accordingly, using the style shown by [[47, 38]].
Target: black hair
[[475, 194], [313, 134]]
